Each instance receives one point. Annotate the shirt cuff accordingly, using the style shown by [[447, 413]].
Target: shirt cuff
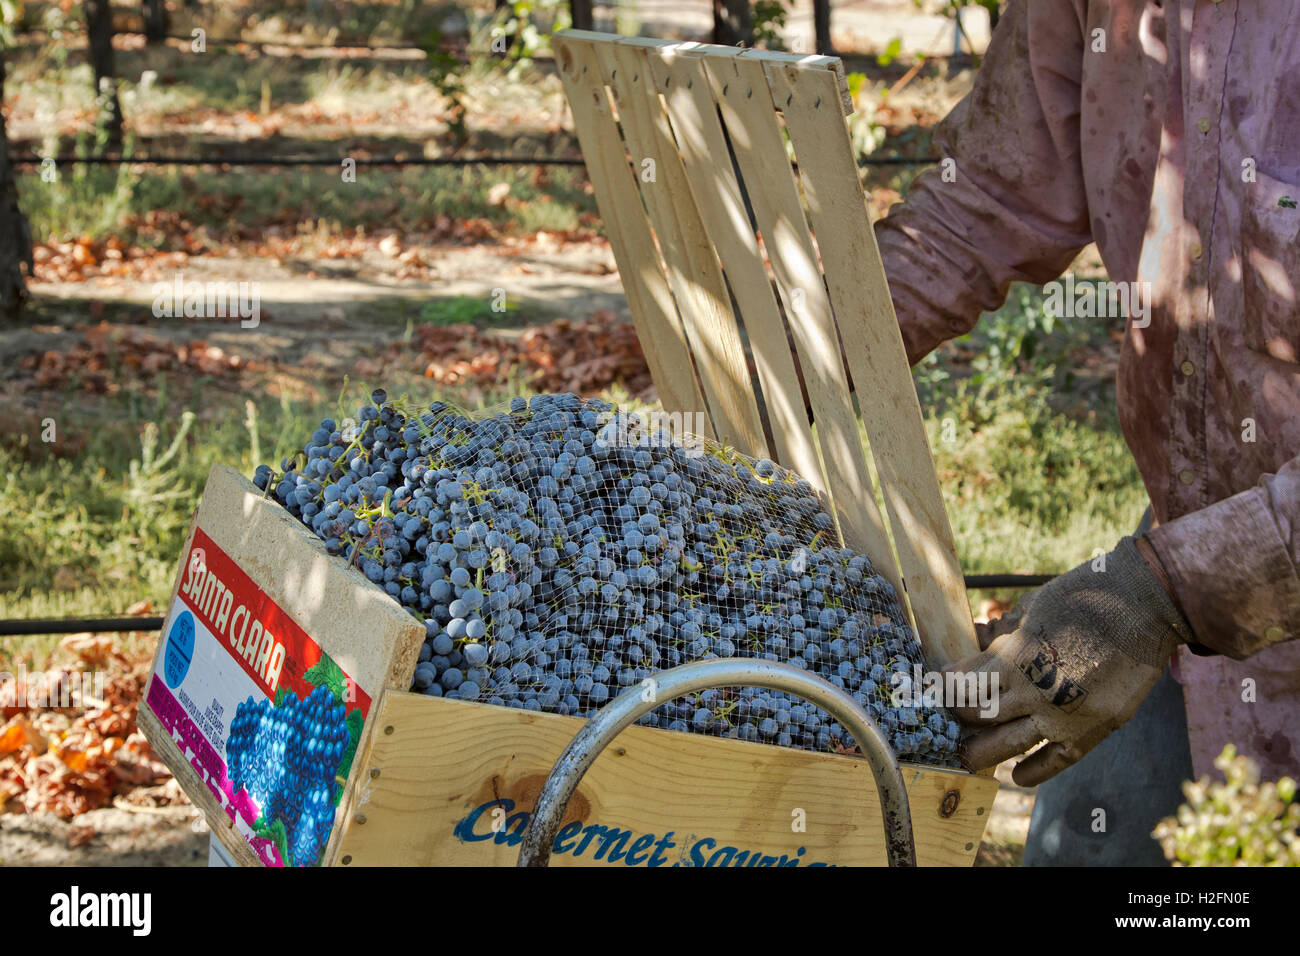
[[1232, 574]]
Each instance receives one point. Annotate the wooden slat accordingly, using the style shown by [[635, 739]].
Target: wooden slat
[[798, 61], [693, 270], [741, 89], [444, 759], [649, 298], [694, 116], [877, 361]]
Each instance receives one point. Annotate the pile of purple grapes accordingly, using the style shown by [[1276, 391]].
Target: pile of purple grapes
[[287, 757], [559, 552]]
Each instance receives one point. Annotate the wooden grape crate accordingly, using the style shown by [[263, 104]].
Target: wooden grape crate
[[448, 782]]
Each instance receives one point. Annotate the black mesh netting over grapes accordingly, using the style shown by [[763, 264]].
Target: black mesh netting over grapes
[[560, 552]]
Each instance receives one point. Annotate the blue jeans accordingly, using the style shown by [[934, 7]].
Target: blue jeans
[[1135, 776]]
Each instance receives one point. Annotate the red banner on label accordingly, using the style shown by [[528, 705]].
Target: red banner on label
[[271, 648]]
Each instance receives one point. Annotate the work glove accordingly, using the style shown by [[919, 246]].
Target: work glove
[[1088, 648]]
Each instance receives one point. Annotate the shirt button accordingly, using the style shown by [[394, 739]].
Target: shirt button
[[1203, 125], [1274, 634], [1188, 369], [1186, 476], [1196, 250]]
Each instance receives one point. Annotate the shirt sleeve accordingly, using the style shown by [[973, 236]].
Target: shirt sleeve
[[1233, 565], [1008, 202]]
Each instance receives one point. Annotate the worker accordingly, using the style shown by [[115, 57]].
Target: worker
[[1168, 133]]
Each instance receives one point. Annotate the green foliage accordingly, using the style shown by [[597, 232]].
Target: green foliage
[[1012, 337], [94, 526], [355, 721], [326, 673], [274, 832], [445, 72], [95, 521], [100, 203], [891, 52], [1240, 822], [769, 19], [950, 8], [1036, 476], [522, 30], [83, 199], [11, 13], [516, 36], [476, 310], [1030, 488], [1021, 342]]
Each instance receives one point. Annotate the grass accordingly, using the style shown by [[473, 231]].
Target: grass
[[465, 308], [1029, 488], [242, 202], [94, 523]]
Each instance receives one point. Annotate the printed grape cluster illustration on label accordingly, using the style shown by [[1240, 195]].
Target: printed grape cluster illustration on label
[[267, 720]]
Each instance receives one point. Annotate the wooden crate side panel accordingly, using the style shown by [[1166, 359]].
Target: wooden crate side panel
[[649, 297], [693, 270], [693, 114], [742, 92], [877, 360], [364, 630], [444, 760]]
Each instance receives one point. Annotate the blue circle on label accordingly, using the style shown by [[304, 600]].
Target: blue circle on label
[[180, 650]]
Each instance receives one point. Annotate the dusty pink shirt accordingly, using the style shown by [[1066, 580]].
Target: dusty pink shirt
[[1169, 134]]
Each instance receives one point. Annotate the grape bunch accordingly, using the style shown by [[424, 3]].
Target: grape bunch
[[286, 757], [559, 552]]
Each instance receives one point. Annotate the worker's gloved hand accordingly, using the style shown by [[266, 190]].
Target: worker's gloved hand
[[1088, 649]]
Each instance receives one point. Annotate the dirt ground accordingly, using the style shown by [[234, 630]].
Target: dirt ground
[[164, 836], [320, 314]]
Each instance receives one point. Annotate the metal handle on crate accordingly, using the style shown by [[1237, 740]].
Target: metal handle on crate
[[629, 707]]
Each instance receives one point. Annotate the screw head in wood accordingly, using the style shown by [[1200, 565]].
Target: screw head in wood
[[389, 730]]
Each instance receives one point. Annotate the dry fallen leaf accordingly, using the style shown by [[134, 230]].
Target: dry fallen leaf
[[81, 835], [20, 732]]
